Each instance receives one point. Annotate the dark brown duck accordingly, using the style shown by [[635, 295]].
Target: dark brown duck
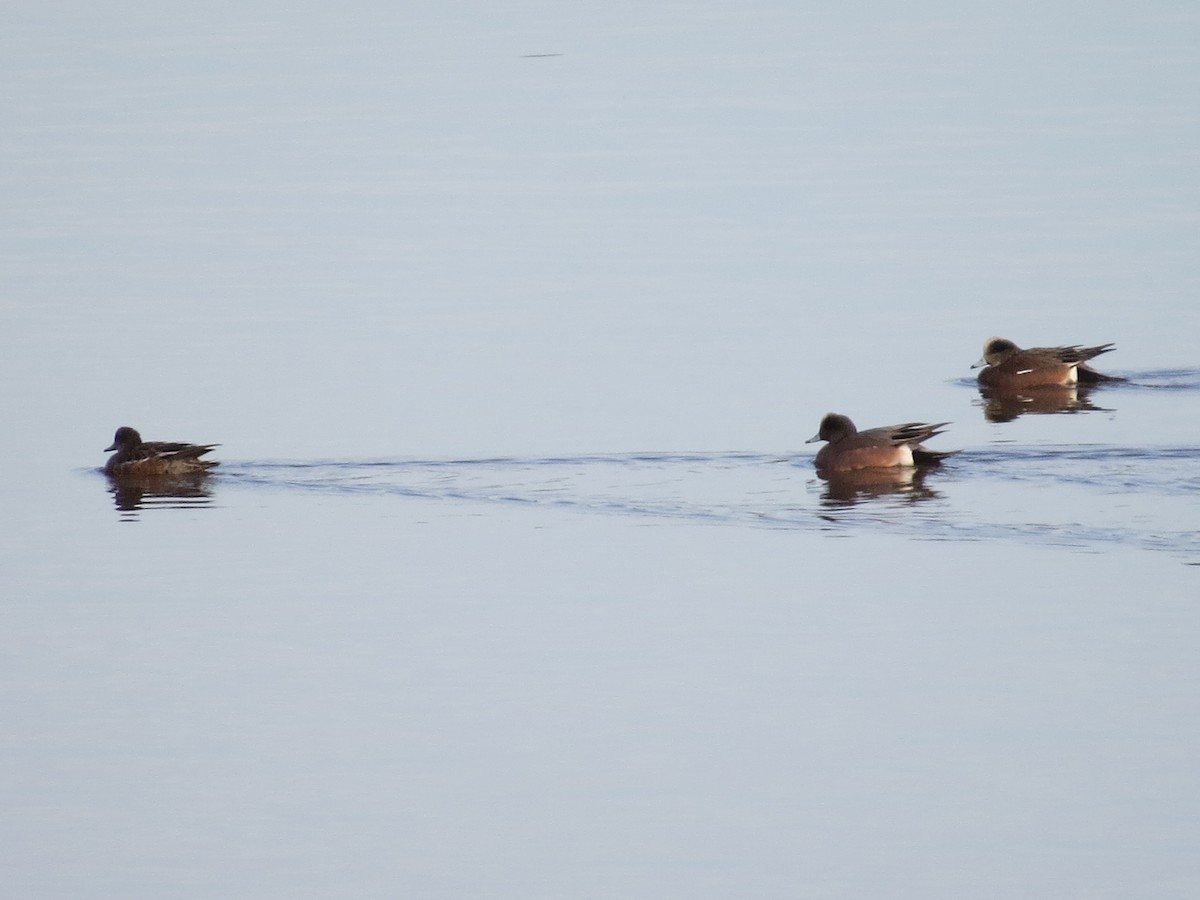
[[1008, 367], [876, 448], [135, 458]]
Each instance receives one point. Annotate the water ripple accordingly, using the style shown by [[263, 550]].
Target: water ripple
[[1086, 497]]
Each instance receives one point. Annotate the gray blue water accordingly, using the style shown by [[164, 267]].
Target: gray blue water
[[516, 579]]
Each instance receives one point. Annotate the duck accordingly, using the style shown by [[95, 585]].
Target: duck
[[135, 458], [1007, 367], [890, 446]]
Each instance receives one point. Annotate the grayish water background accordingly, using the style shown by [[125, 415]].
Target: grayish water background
[[514, 582]]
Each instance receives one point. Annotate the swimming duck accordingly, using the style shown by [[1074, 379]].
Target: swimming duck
[[876, 448], [154, 459], [1007, 367]]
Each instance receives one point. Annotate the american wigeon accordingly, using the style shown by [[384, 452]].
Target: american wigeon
[[1007, 367], [876, 448], [136, 458]]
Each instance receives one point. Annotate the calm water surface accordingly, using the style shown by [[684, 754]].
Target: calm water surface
[[516, 579]]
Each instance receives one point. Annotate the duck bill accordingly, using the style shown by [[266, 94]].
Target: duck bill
[[113, 446], [813, 439], [979, 365]]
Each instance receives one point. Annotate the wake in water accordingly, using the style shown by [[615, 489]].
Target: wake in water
[[1085, 497], [1082, 496], [1163, 379]]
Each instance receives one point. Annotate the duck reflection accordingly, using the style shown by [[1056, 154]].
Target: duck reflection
[[1001, 405], [848, 488], [133, 494]]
